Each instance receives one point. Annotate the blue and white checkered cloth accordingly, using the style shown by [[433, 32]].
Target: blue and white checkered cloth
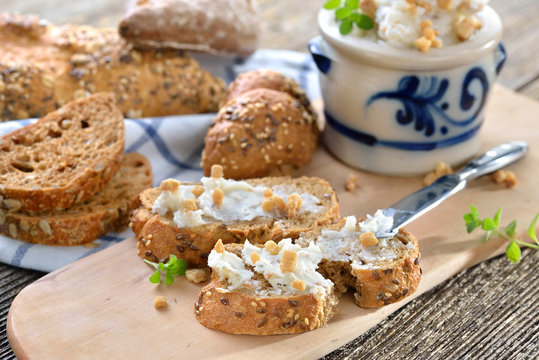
[[173, 145]]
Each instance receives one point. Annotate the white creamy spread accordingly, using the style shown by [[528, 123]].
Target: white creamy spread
[[344, 245], [398, 22], [241, 201], [232, 268]]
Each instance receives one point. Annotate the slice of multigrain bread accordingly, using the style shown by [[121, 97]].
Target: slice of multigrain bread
[[62, 159], [265, 290], [106, 211], [379, 270], [187, 220]]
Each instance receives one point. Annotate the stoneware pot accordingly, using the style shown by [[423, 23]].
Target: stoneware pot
[[398, 111]]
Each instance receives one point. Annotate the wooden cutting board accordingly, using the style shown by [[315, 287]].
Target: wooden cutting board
[[102, 306]]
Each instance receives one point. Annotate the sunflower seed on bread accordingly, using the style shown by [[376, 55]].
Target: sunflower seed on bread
[[63, 158], [84, 222]]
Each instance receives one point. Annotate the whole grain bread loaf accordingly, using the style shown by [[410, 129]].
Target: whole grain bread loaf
[[256, 307], [62, 159], [159, 236], [261, 132], [379, 271], [44, 66], [83, 223]]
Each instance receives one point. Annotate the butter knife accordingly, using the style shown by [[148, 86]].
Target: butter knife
[[414, 205]]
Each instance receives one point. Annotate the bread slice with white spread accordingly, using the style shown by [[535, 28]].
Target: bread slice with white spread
[[265, 289], [187, 219], [381, 267]]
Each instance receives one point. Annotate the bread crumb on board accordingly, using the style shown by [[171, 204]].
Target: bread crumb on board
[[505, 177], [351, 182], [197, 276], [440, 170], [160, 302]]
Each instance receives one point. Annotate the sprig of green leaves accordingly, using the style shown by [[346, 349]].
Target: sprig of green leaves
[[348, 15], [173, 267], [492, 228]]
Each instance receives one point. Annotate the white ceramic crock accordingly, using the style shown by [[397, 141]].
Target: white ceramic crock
[[399, 111]]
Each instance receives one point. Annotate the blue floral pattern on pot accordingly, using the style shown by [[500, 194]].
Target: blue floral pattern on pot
[[426, 109]]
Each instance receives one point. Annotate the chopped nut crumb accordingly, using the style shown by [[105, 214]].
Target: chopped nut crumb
[[216, 171], [425, 24], [255, 257], [294, 204], [198, 190], [272, 247], [279, 203], [368, 239], [505, 177], [368, 7], [289, 260], [196, 275], [445, 4], [268, 192], [160, 302], [465, 28], [169, 185], [218, 196], [351, 182], [219, 247], [299, 284], [268, 204], [189, 205], [423, 44], [440, 169]]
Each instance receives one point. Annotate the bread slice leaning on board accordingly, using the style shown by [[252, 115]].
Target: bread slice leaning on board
[[106, 211], [380, 270], [63, 158], [187, 219], [63, 63], [265, 290]]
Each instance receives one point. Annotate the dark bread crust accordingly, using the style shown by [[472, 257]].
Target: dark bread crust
[[259, 133], [63, 63], [83, 223], [86, 141], [214, 26], [194, 244]]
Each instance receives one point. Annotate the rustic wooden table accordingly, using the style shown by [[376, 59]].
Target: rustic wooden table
[[488, 311]]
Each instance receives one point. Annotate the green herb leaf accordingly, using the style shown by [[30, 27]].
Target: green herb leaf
[[343, 13], [471, 226], [332, 4], [346, 27], [364, 22], [162, 266], [531, 229], [513, 252], [497, 217], [469, 218], [351, 4], [152, 264], [169, 278], [474, 212], [510, 229], [488, 224], [156, 277]]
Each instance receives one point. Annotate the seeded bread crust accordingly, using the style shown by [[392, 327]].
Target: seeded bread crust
[[215, 26], [158, 236], [259, 133], [242, 312], [45, 66], [83, 223], [64, 158], [385, 283]]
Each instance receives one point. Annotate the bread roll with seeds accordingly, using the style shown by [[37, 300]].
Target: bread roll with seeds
[[265, 290], [45, 66], [166, 223], [62, 159], [261, 132], [215, 26], [379, 270], [85, 222]]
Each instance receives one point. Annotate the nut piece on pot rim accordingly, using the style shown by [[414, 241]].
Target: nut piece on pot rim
[[398, 111]]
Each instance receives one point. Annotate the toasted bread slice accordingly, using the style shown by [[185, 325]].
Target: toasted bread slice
[[240, 217], [380, 270], [62, 159], [265, 290], [106, 211]]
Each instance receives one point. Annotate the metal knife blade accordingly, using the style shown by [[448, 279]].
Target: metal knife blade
[[414, 205]]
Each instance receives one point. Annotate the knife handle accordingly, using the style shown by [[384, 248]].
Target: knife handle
[[493, 159]]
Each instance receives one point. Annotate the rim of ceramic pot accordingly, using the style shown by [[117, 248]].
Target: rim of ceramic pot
[[382, 54]]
